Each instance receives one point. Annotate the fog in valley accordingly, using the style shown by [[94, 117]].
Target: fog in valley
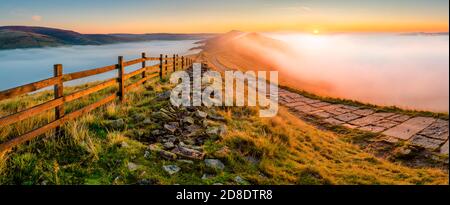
[[409, 71]]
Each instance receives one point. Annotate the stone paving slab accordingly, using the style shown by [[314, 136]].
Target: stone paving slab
[[335, 109], [426, 142], [290, 100], [386, 123], [444, 148], [350, 126], [372, 128], [306, 109], [320, 104], [364, 112], [399, 118], [409, 128], [347, 117], [349, 107], [322, 114], [437, 130], [333, 121], [295, 104], [367, 120], [426, 132]]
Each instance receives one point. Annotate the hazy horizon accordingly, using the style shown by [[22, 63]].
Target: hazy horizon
[[195, 16]]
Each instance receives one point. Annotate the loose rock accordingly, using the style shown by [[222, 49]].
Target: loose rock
[[240, 180], [201, 114], [132, 166], [188, 153], [214, 164], [171, 169], [172, 127], [117, 124]]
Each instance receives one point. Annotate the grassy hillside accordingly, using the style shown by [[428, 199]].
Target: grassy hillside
[[12, 37], [279, 150]]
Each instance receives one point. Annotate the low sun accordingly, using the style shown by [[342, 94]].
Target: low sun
[[316, 31]]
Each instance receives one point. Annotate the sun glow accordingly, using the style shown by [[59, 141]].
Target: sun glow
[[316, 31]]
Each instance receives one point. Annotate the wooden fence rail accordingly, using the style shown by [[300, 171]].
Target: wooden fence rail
[[147, 73]]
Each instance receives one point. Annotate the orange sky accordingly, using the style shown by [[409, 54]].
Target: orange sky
[[189, 16]]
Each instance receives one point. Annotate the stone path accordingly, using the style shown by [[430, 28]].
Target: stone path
[[429, 133], [426, 132]]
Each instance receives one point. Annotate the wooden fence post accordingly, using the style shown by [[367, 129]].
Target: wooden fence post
[[178, 62], [182, 62], [174, 62], [58, 90], [165, 67], [121, 79], [144, 74], [160, 66]]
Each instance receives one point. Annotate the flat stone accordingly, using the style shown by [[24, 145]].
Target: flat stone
[[364, 112], [298, 96], [437, 130], [335, 109], [117, 124], [347, 117], [331, 107], [320, 104], [428, 143], [444, 148], [294, 104], [367, 120], [350, 126], [138, 117], [349, 107], [290, 100], [207, 176], [171, 127], [201, 114], [386, 123], [171, 169], [188, 153], [214, 164], [333, 121], [306, 109], [216, 130], [167, 155], [215, 116], [240, 180], [311, 101], [282, 101], [168, 145], [322, 114], [399, 118], [147, 121], [409, 128], [188, 120], [132, 166], [391, 140], [372, 128], [184, 161]]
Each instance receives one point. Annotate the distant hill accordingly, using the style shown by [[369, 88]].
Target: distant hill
[[12, 37]]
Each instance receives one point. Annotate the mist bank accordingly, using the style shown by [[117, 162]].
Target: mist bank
[[407, 71], [22, 66]]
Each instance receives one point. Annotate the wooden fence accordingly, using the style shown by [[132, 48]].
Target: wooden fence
[[165, 65]]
